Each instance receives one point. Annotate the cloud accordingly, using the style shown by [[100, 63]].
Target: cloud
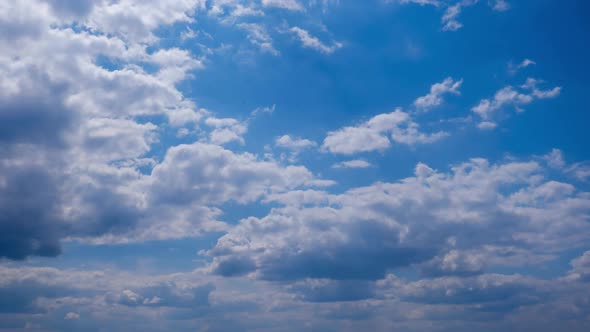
[[283, 4], [377, 134], [135, 20], [226, 130], [555, 159], [167, 294], [453, 9], [435, 3], [513, 69], [491, 292], [437, 91], [509, 96], [325, 290], [91, 98], [263, 110], [76, 142], [579, 170], [500, 5], [68, 288], [71, 316], [357, 163], [450, 17], [456, 223], [212, 175], [309, 41], [258, 36], [30, 206], [580, 268], [288, 142]]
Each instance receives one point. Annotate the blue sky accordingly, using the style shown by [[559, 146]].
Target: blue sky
[[294, 165]]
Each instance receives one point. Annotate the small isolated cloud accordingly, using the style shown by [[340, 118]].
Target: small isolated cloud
[[437, 91], [377, 134], [291, 143], [500, 5], [72, 316], [450, 18], [510, 96], [312, 42], [357, 163], [263, 110], [513, 69]]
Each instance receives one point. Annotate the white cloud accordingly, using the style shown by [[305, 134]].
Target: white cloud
[[226, 130], [532, 85], [513, 69], [357, 163], [263, 110], [500, 5], [451, 15], [435, 3], [209, 174], [555, 159], [135, 20], [437, 91], [580, 268], [487, 125], [471, 217], [377, 134], [72, 316], [449, 19], [309, 41], [258, 36], [86, 139], [284, 4], [511, 97], [579, 170], [288, 142]]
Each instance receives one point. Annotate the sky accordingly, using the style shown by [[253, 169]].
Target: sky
[[294, 165]]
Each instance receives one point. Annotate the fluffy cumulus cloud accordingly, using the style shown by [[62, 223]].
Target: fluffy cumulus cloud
[[378, 133], [449, 223], [454, 227], [74, 140]]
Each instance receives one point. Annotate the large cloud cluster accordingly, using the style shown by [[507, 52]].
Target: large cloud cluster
[[453, 223], [74, 139]]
